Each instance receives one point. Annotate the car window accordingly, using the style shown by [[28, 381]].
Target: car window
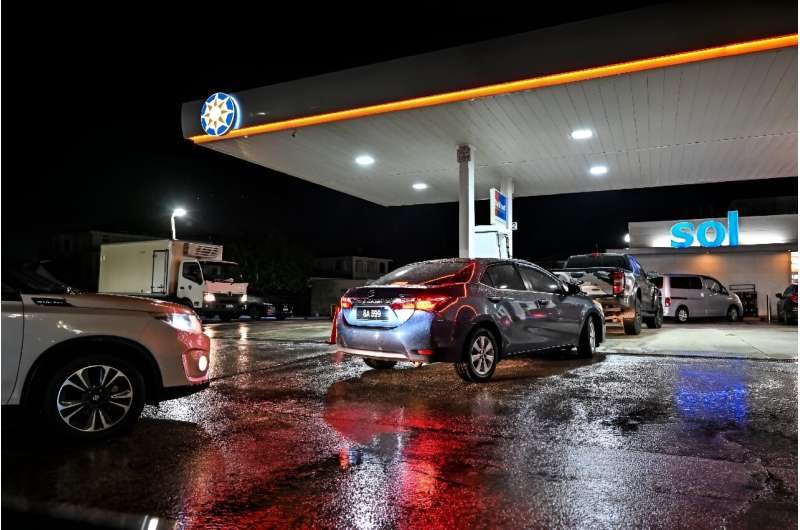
[[191, 271], [712, 285], [539, 281], [10, 294], [505, 276], [428, 273], [658, 281], [685, 282], [635, 267]]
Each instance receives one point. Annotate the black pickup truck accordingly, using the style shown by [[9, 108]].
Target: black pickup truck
[[621, 286]]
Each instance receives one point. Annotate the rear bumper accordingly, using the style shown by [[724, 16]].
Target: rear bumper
[[616, 308], [420, 332]]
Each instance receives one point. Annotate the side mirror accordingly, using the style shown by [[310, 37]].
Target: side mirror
[[572, 288]]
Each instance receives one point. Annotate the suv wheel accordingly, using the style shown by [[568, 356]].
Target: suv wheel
[[377, 364], [93, 397], [682, 314], [480, 357], [633, 326], [588, 340], [733, 314], [656, 321]]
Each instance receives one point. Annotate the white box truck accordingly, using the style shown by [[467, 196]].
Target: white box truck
[[190, 273]]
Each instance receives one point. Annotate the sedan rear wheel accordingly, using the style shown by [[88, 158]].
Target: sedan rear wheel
[[588, 340], [480, 359]]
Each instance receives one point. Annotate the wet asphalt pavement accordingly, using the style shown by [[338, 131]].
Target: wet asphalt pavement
[[291, 434]]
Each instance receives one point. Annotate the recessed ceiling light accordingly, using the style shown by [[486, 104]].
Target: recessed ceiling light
[[419, 186], [364, 160], [581, 134], [598, 170]]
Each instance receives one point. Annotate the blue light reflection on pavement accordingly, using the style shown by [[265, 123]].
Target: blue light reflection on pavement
[[712, 394]]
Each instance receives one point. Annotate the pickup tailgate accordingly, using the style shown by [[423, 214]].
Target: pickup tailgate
[[596, 281]]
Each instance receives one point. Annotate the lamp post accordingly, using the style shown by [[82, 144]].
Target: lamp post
[[177, 212]]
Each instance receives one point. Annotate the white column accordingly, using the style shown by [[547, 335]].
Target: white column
[[507, 189], [466, 201]]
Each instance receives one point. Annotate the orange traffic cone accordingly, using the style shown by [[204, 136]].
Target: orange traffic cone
[[332, 340]]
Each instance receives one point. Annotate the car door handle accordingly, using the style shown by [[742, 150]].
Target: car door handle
[[181, 287]]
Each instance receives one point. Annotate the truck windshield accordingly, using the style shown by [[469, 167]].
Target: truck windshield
[[588, 261], [220, 271]]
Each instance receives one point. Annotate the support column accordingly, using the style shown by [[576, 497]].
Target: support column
[[466, 201], [507, 189]]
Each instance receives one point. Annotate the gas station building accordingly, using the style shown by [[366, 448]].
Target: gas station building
[[660, 96]]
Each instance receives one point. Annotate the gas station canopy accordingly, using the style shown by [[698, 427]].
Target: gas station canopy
[[668, 95]]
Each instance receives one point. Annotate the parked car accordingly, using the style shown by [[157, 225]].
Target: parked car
[[622, 287], [787, 305], [260, 307], [87, 363], [688, 296], [470, 312]]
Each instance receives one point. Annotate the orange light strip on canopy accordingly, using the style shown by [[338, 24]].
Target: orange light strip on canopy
[[628, 67]]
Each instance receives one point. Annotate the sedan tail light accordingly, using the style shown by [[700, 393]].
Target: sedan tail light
[[423, 302], [618, 281], [667, 301], [345, 303]]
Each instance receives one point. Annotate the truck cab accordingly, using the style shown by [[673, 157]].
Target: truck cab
[[212, 287]]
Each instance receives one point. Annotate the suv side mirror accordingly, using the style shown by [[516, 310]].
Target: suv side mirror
[[572, 288]]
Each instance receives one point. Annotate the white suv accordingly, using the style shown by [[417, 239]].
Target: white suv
[[87, 362]]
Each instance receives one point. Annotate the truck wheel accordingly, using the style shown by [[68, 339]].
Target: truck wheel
[[682, 314], [633, 326], [377, 364], [480, 357], [93, 397], [588, 339], [655, 322]]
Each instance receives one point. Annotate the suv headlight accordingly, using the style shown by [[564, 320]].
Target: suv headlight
[[181, 321], [243, 299], [209, 297]]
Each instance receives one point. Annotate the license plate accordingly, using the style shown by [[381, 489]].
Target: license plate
[[228, 306], [371, 313]]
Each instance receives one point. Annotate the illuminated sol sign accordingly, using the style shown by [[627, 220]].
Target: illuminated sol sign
[[498, 207], [709, 233], [220, 114]]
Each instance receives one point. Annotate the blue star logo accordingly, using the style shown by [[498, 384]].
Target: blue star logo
[[220, 114]]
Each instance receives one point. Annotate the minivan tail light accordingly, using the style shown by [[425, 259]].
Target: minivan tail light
[[345, 303], [423, 302], [793, 298], [618, 281], [667, 301]]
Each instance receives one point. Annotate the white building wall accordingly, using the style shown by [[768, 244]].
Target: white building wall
[[769, 271]]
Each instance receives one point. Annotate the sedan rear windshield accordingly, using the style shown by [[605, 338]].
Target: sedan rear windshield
[[597, 260], [422, 273]]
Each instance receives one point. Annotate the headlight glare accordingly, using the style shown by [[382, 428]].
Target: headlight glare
[[243, 299], [209, 297], [182, 321]]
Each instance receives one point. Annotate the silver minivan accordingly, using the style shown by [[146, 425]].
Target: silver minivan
[[686, 296]]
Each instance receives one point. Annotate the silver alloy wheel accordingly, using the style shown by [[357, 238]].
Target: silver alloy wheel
[[733, 314], [592, 336], [683, 315], [94, 398], [482, 355]]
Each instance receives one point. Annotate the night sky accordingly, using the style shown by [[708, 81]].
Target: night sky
[[93, 141]]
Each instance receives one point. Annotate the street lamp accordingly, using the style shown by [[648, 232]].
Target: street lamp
[[177, 212]]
